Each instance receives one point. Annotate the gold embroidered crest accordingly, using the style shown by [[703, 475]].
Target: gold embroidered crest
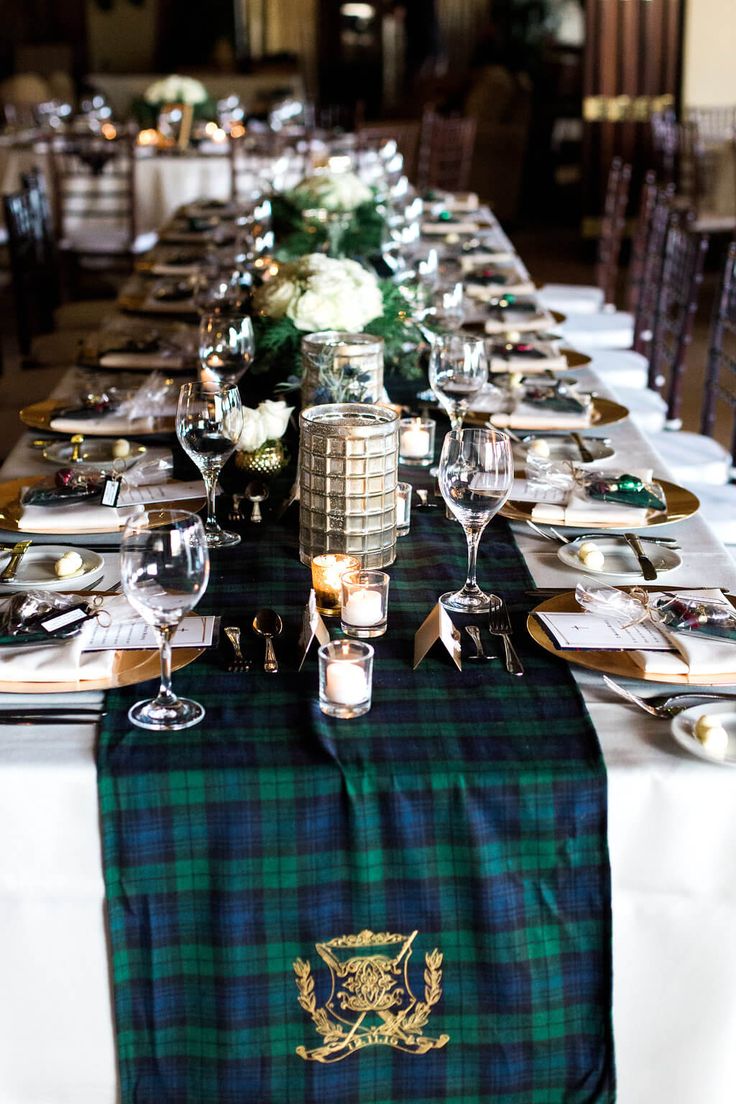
[[370, 1001]]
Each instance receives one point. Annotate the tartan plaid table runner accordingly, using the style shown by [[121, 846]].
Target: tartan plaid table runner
[[468, 808]]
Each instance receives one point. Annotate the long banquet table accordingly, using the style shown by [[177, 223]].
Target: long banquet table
[[672, 820]]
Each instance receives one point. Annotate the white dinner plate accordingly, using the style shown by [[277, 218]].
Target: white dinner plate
[[563, 448], [683, 729], [36, 569], [620, 560], [95, 455]]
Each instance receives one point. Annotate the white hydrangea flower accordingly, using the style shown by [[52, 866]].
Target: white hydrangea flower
[[334, 191], [322, 293], [274, 417], [175, 89]]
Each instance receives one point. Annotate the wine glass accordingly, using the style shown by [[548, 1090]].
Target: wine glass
[[165, 566], [475, 474], [449, 311], [226, 348], [458, 369], [209, 421]]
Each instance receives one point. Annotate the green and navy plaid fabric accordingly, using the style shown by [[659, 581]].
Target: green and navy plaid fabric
[[469, 807]]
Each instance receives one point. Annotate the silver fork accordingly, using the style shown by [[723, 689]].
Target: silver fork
[[499, 624], [238, 662], [560, 538], [668, 705]]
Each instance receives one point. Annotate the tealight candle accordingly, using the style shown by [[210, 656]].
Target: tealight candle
[[364, 603], [327, 572], [416, 441], [345, 677]]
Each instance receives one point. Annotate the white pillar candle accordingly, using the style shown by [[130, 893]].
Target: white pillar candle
[[415, 442], [345, 683], [363, 608], [400, 510]]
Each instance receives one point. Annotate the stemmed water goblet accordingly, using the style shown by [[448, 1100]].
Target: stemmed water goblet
[[164, 565], [458, 369], [226, 348], [209, 421], [476, 470]]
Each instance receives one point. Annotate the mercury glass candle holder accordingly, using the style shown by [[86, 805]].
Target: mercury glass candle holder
[[327, 573], [345, 678], [364, 609], [348, 469], [341, 367]]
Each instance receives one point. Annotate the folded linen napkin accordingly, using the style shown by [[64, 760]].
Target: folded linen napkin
[[526, 416], [484, 293], [461, 202], [521, 323], [695, 655], [582, 510], [549, 360], [160, 268], [450, 226], [165, 361], [112, 424], [81, 517], [471, 260], [62, 662]]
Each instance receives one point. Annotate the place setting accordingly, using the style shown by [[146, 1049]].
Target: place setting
[[134, 345], [110, 411]]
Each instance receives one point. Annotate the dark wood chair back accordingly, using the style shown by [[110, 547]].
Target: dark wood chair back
[[651, 275], [665, 145], [34, 285], [715, 124], [93, 181], [679, 292], [613, 224], [720, 381], [639, 240], [445, 152], [404, 132], [34, 185]]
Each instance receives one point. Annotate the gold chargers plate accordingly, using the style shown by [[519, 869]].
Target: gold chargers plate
[[131, 666], [609, 663], [40, 415], [603, 412], [10, 510], [575, 359], [681, 504]]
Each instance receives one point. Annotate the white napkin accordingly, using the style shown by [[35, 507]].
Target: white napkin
[[114, 425], [581, 510], [163, 269], [79, 517], [165, 361], [521, 323], [461, 201], [66, 662], [526, 416], [445, 228], [552, 360], [695, 655], [471, 261], [486, 292]]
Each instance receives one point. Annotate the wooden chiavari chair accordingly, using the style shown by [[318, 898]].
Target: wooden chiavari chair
[[445, 152], [651, 278]]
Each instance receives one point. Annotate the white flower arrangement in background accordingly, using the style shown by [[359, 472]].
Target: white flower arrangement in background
[[322, 293], [267, 422], [333, 191], [176, 89]]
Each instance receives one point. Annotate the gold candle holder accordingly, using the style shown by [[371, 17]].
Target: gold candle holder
[[327, 573]]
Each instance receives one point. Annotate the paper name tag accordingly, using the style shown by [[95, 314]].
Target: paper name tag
[[63, 620], [111, 491]]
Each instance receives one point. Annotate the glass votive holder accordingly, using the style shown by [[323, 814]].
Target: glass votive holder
[[345, 678], [416, 441], [364, 603], [327, 572], [403, 508]]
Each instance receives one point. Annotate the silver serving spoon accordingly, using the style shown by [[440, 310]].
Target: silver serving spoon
[[256, 492], [667, 705], [267, 623]]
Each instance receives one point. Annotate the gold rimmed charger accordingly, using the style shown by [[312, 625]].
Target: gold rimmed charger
[[609, 662], [131, 666], [603, 412], [10, 511], [41, 414], [681, 504]]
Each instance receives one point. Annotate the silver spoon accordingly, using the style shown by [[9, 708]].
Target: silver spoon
[[267, 623], [666, 705], [256, 492]]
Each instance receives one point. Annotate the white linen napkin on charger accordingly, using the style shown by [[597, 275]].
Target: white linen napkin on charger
[[521, 323], [526, 416], [77, 517], [551, 360], [445, 228], [695, 655], [167, 362], [63, 662], [485, 292], [582, 510]]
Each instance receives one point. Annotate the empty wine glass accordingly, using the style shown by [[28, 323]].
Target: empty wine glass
[[448, 308], [475, 474], [165, 566], [209, 422], [458, 369], [226, 348]]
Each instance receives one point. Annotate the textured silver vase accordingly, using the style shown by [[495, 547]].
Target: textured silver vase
[[348, 470], [341, 367]]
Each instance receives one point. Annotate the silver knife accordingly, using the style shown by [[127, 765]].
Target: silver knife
[[648, 569], [17, 553]]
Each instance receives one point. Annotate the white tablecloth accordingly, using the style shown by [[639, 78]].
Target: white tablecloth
[[672, 826]]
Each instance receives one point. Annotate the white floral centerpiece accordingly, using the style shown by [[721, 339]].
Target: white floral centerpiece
[[332, 191], [259, 445], [322, 293], [174, 89]]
